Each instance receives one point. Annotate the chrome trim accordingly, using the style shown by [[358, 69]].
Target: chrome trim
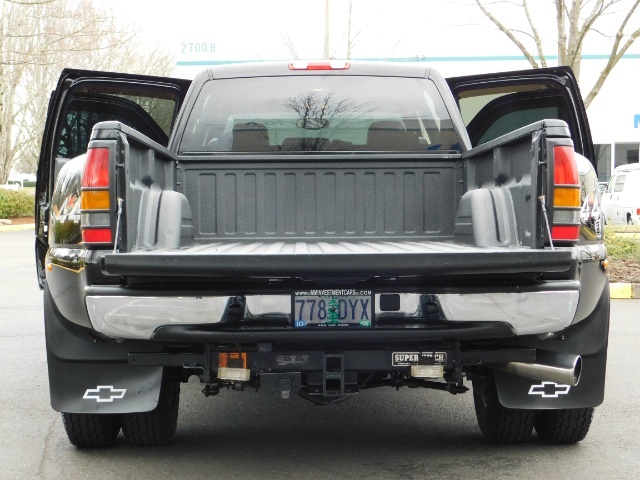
[[138, 317], [526, 312], [258, 305], [591, 253], [554, 367], [409, 305]]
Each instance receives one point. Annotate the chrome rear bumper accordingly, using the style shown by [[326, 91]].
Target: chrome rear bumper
[[137, 317]]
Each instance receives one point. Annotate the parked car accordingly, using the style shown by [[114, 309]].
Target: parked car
[[621, 198]]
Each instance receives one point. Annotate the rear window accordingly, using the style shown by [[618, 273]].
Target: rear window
[[318, 113]]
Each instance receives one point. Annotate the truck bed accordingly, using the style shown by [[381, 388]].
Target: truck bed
[[319, 216]]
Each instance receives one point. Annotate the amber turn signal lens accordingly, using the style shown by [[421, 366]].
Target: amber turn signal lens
[[566, 197], [95, 200]]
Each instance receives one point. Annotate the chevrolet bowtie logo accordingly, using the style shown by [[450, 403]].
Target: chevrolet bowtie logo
[[104, 393], [549, 390]]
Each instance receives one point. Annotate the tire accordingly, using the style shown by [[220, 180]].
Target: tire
[[563, 426], [158, 426], [629, 219], [497, 423], [91, 430]]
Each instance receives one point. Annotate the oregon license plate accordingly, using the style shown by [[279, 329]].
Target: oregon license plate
[[332, 308]]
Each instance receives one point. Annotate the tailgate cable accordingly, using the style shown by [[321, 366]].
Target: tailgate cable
[[543, 199], [119, 213]]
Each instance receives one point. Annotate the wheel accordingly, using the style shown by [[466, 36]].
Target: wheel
[[157, 426], [497, 423], [91, 430], [563, 426], [629, 219]]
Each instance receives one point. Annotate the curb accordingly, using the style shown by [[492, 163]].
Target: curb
[[624, 290], [14, 228]]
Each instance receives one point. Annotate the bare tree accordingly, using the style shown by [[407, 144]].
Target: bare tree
[[11, 71], [352, 38], [290, 46], [575, 20], [40, 37]]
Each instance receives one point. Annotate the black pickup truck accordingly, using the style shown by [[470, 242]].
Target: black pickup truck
[[319, 229]]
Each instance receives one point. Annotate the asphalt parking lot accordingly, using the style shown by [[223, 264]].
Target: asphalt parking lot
[[378, 434]]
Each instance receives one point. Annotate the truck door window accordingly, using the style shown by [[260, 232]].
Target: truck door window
[[619, 185], [149, 112], [492, 112]]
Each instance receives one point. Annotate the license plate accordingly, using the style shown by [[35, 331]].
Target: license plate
[[332, 308]]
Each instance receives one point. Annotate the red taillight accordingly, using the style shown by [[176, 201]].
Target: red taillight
[[98, 235], [565, 233], [566, 196], [96, 170], [565, 168], [96, 198], [327, 65]]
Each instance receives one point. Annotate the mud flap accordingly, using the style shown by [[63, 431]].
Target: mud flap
[[89, 375], [103, 387], [526, 393]]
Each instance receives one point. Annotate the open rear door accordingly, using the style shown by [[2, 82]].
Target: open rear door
[[498, 103], [83, 98]]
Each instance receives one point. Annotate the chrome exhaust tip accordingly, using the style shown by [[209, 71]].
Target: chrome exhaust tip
[[560, 368]]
